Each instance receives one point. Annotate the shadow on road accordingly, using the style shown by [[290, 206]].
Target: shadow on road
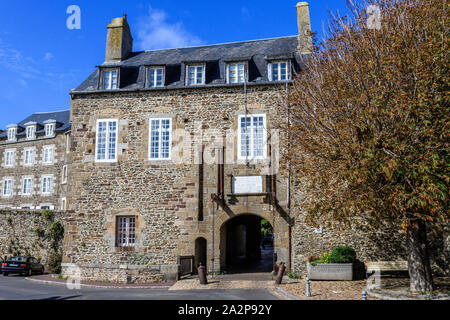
[[61, 298]]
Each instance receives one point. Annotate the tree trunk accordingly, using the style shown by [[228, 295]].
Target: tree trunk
[[418, 260]]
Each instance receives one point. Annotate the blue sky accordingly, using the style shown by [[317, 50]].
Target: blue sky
[[41, 60]]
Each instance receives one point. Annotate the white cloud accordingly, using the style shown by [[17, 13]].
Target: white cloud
[[27, 68], [48, 56], [156, 33], [23, 83]]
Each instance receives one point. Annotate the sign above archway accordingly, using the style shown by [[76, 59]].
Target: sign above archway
[[245, 185]]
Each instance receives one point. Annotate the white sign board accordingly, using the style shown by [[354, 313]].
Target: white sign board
[[247, 184]]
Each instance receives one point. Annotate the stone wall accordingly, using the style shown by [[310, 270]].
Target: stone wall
[[27, 233], [388, 243]]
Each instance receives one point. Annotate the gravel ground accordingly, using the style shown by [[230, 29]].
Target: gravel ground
[[352, 290], [328, 290]]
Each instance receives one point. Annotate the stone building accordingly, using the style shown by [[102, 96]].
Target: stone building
[[175, 153], [33, 162]]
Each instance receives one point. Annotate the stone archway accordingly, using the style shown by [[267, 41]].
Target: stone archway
[[241, 248]]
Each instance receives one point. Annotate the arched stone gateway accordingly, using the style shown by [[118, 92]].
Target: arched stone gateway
[[244, 246]]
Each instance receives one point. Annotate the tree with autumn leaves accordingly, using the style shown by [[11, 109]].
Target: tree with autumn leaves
[[369, 123]]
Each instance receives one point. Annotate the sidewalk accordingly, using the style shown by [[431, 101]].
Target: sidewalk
[[53, 279]]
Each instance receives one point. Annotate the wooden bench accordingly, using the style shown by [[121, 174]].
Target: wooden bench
[[386, 267]]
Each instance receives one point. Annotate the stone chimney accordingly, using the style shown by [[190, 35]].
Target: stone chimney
[[304, 28], [119, 42]]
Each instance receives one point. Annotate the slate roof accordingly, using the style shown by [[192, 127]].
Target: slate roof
[[61, 117], [258, 53]]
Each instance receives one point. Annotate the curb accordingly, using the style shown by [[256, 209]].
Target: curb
[[97, 286], [288, 295]]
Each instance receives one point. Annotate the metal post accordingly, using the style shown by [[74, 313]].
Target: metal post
[[202, 275], [364, 295], [280, 275], [308, 288]]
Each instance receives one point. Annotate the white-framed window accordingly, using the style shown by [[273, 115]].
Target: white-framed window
[[195, 74], [49, 129], [156, 77], [126, 231], [64, 174], [236, 72], [160, 139], [279, 71], [12, 134], [29, 157], [49, 154], [47, 184], [252, 137], [106, 143], [31, 132], [7, 187], [9, 159], [27, 182], [63, 204], [110, 79]]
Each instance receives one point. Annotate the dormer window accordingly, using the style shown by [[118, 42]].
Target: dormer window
[[236, 72], [156, 77], [279, 71], [12, 133], [110, 78], [31, 131], [50, 126], [195, 75]]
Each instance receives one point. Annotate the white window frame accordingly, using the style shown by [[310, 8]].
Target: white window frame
[[160, 140], [52, 159], [30, 159], [9, 160], [128, 241], [50, 129], [203, 66], [229, 65], [27, 188], [109, 85], [252, 138], [12, 132], [64, 174], [47, 188], [31, 132], [7, 187], [149, 80], [288, 70], [107, 142]]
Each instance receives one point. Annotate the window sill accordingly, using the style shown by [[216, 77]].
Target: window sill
[[125, 249]]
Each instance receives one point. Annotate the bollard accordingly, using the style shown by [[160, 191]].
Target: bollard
[[202, 275], [308, 288], [364, 295], [280, 275]]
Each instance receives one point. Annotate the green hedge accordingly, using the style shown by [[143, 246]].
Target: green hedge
[[343, 254]]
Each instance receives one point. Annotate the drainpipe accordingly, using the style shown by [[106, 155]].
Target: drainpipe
[[289, 184]]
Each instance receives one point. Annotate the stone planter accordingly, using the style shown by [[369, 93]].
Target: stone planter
[[331, 271]]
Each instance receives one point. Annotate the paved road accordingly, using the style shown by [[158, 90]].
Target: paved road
[[18, 288]]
